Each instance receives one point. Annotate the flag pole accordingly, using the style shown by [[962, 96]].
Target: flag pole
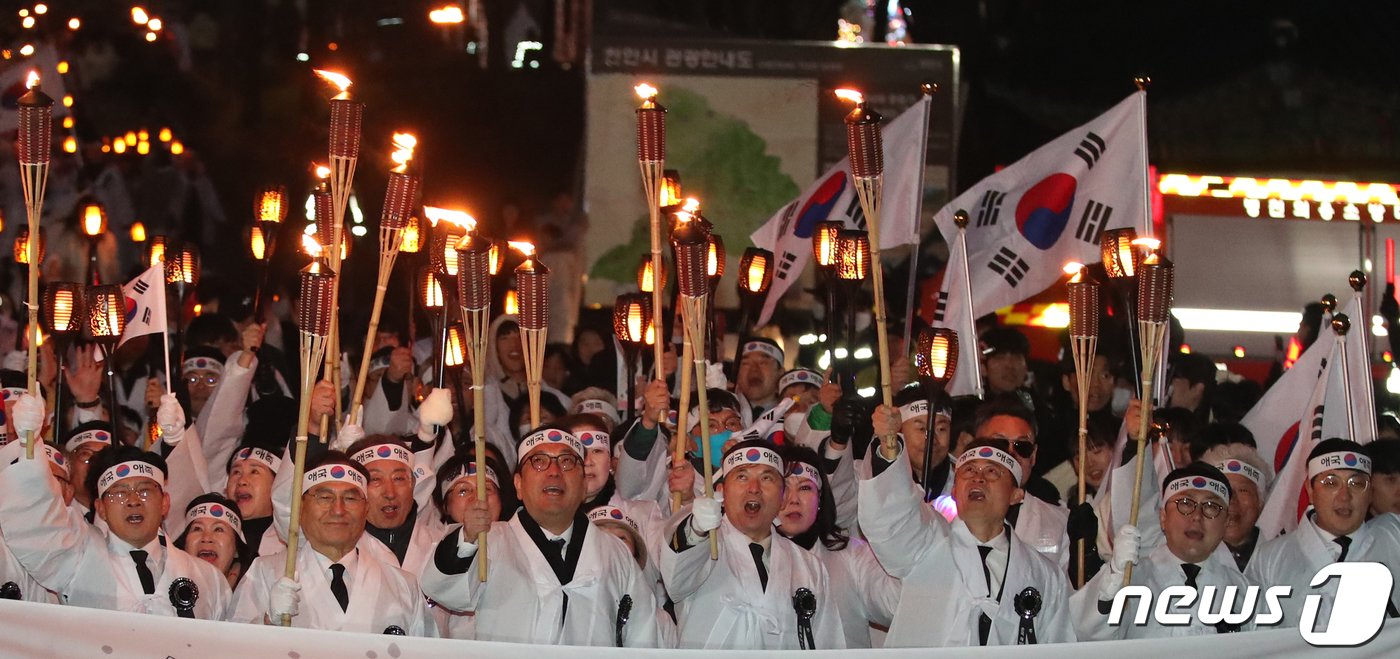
[[1341, 325], [1143, 82], [928, 89], [165, 327], [960, 218], [1357, 280]]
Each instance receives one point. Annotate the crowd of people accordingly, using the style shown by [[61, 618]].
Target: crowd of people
[[833, 521]]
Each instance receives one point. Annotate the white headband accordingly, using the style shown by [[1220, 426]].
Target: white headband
[[469, 471], [55, 457], [804, 470], [203, 364], [595, 440], [12, 393], [1339, 460], [1202, 483], [259, 455], [333, 473], [754, 455], [612, 514], [384, 452], [543, 437], [1233, 466], [94, 435], [915, 410], [765, 348], [129, 469], [994, 455], [800, 376], [599, 407], [217, 512]]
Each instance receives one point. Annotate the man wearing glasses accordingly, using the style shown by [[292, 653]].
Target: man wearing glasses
[[127, 568], [80, 445], [1195, 499], [1334, 530], [964, 581], [552, 579], [337, 586]]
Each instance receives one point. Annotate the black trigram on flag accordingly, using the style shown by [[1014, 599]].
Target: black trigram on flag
[[785, 264], [990, 207], [140, 286], [940, 309], [1009, 265], [1090, 149], [1092, 222]]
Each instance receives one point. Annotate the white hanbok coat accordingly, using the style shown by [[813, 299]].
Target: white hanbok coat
[[381, 596], [864, 592], [940, 606], [1159, 569], [86, 566], [1293, 559], [220, 423], [522, 600], [721, 604], [12, 572]]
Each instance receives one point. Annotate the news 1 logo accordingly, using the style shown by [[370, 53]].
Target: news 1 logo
[[1358, 608]]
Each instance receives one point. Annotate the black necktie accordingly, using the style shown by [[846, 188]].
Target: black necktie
[[757, 551], [342, 594], [559, 544], [148, 580], [1192, 570], [984, 623], [1345, 542]]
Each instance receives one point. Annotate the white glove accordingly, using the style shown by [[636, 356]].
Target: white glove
[[350, 432], [285, 599], [705, 514], [1125, 551], [16, 360], [714, 377], [28, 415], [171, 419], [436, 411]]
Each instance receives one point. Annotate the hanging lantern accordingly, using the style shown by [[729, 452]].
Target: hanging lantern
[[270, 204], [714, 264], [1120, 258], [411, 240], [106, 312], [155, 250], [138, 232], [511, 306], [755, 271], [852, 255], [670, 189], [429, 290], [824, 244], [632, 318], [22, 246], [454, 351], [94, 220], [62, 309], [937, 355], [257, 243], [188, 262]]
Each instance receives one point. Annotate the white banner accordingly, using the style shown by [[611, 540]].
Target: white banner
[[47, 630]]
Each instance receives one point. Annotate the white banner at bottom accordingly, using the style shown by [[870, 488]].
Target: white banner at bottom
[[47, 630]]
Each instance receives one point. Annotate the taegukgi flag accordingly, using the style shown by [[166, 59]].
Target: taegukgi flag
[[1046, 209], [145, 304], [832, 197]]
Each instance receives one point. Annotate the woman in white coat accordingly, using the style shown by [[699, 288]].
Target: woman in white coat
[[864, 592], [764, 591], [965, 582]]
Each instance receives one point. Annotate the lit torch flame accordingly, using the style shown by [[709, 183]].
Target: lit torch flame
[[691, 205], [32, 81], [525, 248], [323, 172], [646, 92], [310, 246], [1075, 270], [340, 80], [851, 95], [404, 143], [454, 217], [1148, 242]]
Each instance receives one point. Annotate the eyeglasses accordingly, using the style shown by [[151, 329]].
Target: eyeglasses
[[987, 472], [83, 455], [1021, 446], [467, 491], [1209, 509], [541, 461], [1355, 482], [207, 380], [350, 499], [122, 496]]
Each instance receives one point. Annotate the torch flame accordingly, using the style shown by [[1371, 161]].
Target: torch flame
[[323, 172], [645, 91], [310, 246], [1075, 270], [340, 80], [525, 248], [691, 205], [850, 95], [1148, 242], [404, 143], [454, 217], [32, 81]]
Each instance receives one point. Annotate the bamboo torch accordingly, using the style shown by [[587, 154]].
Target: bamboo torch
[[868, 169], [692, 253], [35, 131], [1084, 340], [346, 117], [398, 206], [532, 282], [314, 324], [1155, 282], [474, 294], [688, 358], [651, 157]]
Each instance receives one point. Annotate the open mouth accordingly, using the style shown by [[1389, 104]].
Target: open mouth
[[976, 494], [242, 497], [553, 491], [1195, 535], [390, 510], [207, 555], [752, 507], [135, 518]]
